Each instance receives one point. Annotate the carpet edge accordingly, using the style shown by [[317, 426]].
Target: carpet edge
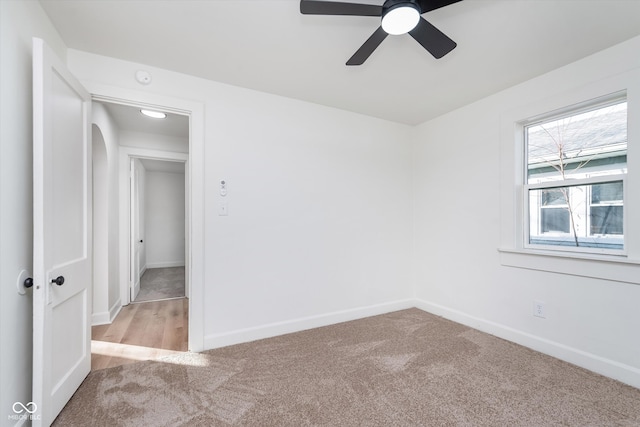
[[609, 368], [303, 323]]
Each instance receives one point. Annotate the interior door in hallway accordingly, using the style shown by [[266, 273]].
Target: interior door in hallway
[[137, 230], [62, 234]]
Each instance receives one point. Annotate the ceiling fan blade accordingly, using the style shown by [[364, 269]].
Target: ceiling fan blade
[[429, 5], [314, 7], [368, 47], [432, 39]]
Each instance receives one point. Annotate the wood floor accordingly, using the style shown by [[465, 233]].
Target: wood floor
[[143, 331]]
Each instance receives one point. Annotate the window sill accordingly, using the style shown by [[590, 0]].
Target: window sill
[[606, 267]]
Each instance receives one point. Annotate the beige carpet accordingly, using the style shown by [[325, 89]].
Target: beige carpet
[[407, 368], [161, 283]]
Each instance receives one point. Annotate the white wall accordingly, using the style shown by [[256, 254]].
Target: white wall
[[165, 219], [100, 169], [19, 22], [106, 296], [319, 223], [458, 271], [151, 141]]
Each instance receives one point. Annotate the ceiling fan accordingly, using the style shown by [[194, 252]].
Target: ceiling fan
[[398, 17]]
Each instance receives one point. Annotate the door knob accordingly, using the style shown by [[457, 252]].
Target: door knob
[[58, 280]]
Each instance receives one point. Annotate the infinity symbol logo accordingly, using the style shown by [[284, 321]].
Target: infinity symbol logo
[[19, 407]]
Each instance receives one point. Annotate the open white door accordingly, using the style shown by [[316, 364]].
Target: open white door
[[135, 233], [61, 235]]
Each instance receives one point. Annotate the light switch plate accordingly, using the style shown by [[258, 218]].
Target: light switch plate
[[223, 209]]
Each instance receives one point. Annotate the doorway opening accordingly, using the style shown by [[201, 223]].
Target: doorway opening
[[147, 190], [158, 232]]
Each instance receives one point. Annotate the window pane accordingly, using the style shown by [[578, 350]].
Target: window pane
[[563, 216], [608, 192], [584, 143], [606, 220], [554, 220], [554, 197]]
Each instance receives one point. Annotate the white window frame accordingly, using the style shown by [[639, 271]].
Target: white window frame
[[623, 266]]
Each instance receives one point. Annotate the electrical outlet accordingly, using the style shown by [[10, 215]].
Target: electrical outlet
[[538, 309]]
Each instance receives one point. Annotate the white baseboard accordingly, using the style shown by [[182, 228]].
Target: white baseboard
[[115, 309], [101, 318], [301, 324], [607, 367], [106, 317], [165, 264], [136, 290]]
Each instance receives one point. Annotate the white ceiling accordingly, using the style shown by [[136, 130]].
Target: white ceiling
[[269, 46]]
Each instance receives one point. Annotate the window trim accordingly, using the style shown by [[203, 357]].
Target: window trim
[[574, 182], [583, 107], [614, 268], [512, 172]]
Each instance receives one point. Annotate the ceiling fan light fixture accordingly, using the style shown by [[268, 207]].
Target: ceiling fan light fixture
[[400, 18]]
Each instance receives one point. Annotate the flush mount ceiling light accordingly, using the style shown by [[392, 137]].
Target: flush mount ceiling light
[[400, 18], [154, 114]]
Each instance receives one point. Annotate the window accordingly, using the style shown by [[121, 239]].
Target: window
[[572, 208], [575, 167]]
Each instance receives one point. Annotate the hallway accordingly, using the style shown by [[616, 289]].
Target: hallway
[[144, 331], [161, 283]]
